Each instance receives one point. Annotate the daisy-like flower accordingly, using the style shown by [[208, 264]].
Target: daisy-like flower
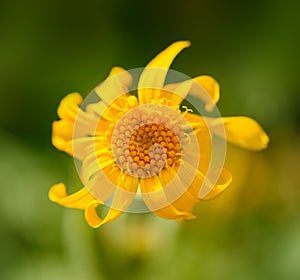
[[147, 148]]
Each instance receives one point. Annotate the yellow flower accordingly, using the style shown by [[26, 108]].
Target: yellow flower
[[147, 147]]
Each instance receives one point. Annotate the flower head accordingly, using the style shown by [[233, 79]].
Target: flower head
[[147, 150]]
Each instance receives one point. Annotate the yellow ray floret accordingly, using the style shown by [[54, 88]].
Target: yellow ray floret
[[154, 74], [78, 200]]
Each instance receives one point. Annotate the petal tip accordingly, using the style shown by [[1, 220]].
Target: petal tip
[[187, 43], [265, 140], [57, 191], [182, 44], [69, 106], [188, 216]]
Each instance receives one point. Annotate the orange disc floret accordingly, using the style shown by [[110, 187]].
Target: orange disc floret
[[148, 144]]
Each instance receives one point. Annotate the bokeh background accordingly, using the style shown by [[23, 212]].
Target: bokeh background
[[51, 48]]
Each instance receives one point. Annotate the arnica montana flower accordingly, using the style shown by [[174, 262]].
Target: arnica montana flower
[[147, 146]]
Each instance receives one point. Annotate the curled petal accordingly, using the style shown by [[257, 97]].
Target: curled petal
[[91, 215], [158, 202], [126, 187], [78, 200], [220, 186], [207, 186], [100, 186], [93, 218], [211, 94], [153, 76], [185, 200], [171, 212]]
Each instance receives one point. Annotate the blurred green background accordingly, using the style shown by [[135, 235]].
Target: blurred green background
[[51, 48]]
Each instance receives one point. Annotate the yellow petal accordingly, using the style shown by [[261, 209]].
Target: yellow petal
[[176, 94], [203, 87], [166, 57], [85, 146], [100, 186], [74, 123], [93, 218], [63, 139], [184, 200], [69, 110], [91, 215], [123, 196], [94, 162], [242, 131], [125, 193], [221, 185], [211, 88], [171, 212], [157, 201], [153, 76], [116, 84], [96, 108], [70, 140], [62, 131], [195, 121], [69, 106], [78, 200], [206, 186], [204, 139], [111, 180]]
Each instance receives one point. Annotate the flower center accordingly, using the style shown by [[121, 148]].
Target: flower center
[[145, 140]]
